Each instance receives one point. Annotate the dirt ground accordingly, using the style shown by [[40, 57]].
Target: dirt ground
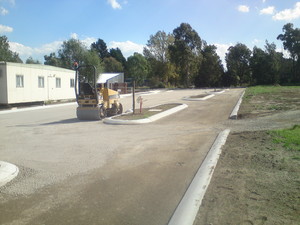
[[74, 172], [256, 181]]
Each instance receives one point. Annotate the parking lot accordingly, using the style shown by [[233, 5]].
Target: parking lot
[[88, 172]]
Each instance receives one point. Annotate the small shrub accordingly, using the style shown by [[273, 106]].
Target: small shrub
[[288, 137]]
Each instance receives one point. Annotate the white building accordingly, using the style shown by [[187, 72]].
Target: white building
[[111, 78], [20, 83]]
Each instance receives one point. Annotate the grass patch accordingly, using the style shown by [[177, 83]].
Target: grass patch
[[266, 100], [275, 107], [259, 90], [290, 138]]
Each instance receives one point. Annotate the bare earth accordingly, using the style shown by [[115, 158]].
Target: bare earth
[[87, 172], [256, 182]]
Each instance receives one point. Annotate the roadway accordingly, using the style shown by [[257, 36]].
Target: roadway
[[88, 172]]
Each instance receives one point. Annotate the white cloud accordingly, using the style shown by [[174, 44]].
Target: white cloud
[[268, 11], [36, 53], [21, 49], [288, 14], [87, 41], [264, 1], [11, 2], [3, 11], [256, 41], [222, 49], [285, 53], [48, 48], [127, 47], [114, 4], [243, 8], [5, 29], [74, 36], [39, 52]]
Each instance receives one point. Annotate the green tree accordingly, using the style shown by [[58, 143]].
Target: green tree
[[158, 46], [91, 58], [30, 60], [5, 53], [157, 54], [267, 65], [211, 68], [185, 53], [101, 48], [72, 51], [112, 65], [291, 43], [118, 55], [258, 64], [52, 60], [137, 68], [286, 65], [238, 64], [273, 63]]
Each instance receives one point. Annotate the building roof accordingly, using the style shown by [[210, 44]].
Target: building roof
[[37, 66], [104, 77]]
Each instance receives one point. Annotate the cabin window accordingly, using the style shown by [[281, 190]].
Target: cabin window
[[72, 83], [19, 81], [58, 82], [41, 82]]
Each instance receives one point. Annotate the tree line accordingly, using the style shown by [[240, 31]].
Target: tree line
[[183, 59]]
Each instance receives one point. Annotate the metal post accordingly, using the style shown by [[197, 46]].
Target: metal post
[[133, 97]]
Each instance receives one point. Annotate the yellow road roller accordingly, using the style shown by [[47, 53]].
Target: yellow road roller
[[95, 100]]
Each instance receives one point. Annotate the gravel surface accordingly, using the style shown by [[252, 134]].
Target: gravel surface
[[273, 121], [87, 172]]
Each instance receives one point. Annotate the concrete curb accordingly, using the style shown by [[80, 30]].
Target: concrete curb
[[36, 108], [153, 92], [8, 172], [188, 207], [235, 110], [217, 92], [210, 95], [198, 99], [150, 119]]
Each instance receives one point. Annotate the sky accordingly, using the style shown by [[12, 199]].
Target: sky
[[38, 27]]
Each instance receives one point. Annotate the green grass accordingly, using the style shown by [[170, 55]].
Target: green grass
[[258, 90], [262, 90], [290, 138], [275, 107]]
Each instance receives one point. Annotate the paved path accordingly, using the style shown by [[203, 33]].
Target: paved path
[[74, 172]]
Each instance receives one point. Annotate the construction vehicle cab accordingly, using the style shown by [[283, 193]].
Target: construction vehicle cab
[[95, 100]]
